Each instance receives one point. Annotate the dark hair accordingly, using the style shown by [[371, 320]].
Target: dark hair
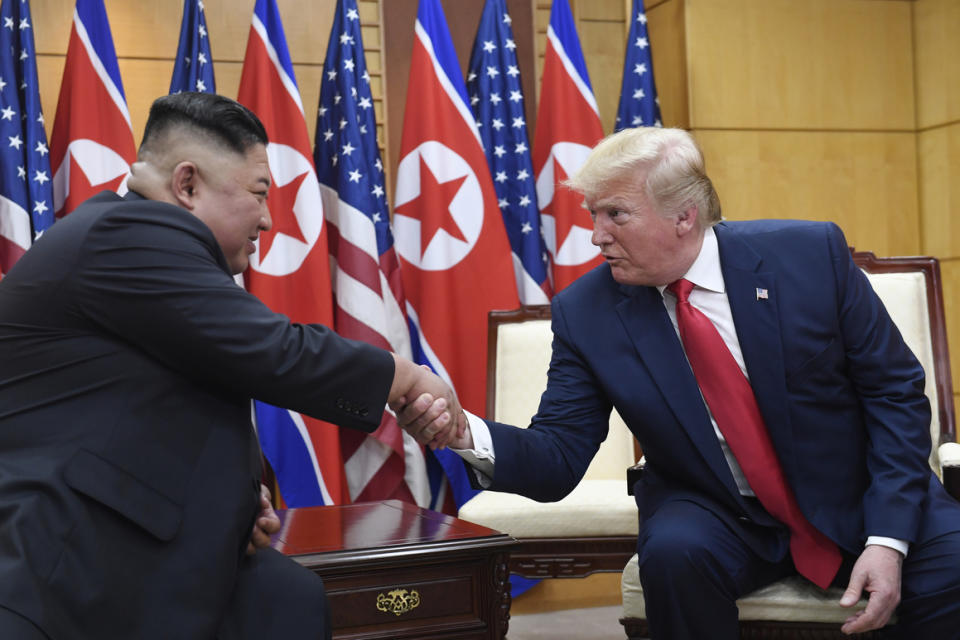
[[225, 120]]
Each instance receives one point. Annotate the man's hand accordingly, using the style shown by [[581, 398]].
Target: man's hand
[[426, 413], [267, 523], [877, 571], [437, 427]]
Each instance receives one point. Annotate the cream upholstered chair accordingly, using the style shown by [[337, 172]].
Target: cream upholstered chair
[[793, 608], [595, 527]]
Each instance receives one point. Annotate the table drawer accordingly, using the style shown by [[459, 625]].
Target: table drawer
[[418, 598]]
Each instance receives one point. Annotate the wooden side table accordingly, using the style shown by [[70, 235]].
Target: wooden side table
[[394, 571]]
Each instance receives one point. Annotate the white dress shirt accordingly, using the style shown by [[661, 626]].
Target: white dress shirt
[[709, 296]]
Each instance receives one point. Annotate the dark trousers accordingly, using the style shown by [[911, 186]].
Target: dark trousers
[[276, 598], [15, 627], [693, 568]]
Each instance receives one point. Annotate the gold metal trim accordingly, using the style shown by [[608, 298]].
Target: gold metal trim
[[398, 601]]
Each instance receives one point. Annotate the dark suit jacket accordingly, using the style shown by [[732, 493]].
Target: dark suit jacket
[[129, 471], [841, 394]]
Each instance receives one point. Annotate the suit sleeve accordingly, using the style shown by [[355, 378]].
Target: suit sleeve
[[546, 461], [158, 282], [889, 382]]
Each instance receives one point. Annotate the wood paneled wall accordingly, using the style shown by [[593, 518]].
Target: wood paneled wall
[[806, 110], [936, 25]]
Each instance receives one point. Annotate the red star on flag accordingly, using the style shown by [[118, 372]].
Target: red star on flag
[[432, 207], [565, 207], [281, 201]]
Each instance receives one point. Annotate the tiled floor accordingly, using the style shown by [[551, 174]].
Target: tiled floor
[[597, 623]]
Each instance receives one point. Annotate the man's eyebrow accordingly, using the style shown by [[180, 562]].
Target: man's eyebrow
[[614, 202]]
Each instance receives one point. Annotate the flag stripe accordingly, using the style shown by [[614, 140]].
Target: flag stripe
[[350, 324], [456, 97], [14, 225], [110, 78], [362, 267], [285, 440], [581, 82], [289, 84]]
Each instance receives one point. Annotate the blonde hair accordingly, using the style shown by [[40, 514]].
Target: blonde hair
[[671, 162]]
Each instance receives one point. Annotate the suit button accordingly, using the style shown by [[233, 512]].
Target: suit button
[[340, 403], [364, 411]]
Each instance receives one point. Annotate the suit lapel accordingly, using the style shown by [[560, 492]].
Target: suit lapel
[[754, 303], [649, 328]]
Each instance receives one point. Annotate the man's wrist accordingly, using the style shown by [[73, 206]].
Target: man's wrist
[[894, 543]]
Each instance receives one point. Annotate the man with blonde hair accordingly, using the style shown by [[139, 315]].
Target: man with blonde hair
[[782, 417]]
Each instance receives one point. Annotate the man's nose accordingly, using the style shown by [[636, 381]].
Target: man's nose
[[600, 234], [266, 222]]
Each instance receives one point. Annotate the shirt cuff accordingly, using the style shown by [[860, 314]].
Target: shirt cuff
[[481, 457], [899, 545]]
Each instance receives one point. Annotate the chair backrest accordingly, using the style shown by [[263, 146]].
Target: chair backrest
[[519, 349], [910, 289]]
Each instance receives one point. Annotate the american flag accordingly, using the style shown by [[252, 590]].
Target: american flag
[[193, 66], [493, 84], [639, 105], [365, 271], [26, 190]]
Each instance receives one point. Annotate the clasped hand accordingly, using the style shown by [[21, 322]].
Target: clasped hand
[[426, 407]]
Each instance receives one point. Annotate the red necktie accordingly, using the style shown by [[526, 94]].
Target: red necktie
[[734, 407]]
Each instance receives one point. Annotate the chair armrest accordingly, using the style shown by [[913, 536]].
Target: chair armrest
[[634, 474], [950, 467]]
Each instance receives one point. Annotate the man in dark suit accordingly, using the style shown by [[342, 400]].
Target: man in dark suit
[[783, 419], [130, 495]]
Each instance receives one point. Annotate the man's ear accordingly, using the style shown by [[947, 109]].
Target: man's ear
[[185, 183], [687, 220]]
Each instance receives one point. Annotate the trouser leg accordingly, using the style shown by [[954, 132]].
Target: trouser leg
[[13, 626], [930, 590], [692, 569], [276, 598]]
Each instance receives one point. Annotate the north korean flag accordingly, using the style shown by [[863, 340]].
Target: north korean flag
[[568, 126], [454, 253], [455, 257], [92, 145], [290, 271]]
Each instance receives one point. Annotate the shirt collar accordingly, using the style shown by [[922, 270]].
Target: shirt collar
[[705, 270]]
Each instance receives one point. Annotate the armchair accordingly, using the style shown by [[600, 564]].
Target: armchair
[[793, 608], [592, 529]]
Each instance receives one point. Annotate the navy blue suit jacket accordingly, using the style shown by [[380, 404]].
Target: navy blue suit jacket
[[840, 392]]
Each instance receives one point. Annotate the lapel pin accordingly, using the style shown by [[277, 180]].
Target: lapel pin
[[762, 294]]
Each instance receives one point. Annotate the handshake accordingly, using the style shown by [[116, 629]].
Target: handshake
[[427, 408]]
